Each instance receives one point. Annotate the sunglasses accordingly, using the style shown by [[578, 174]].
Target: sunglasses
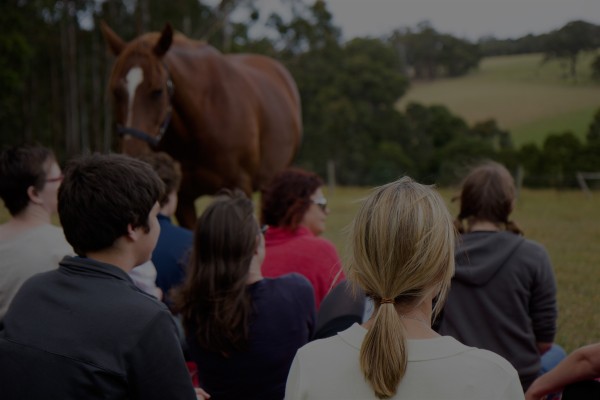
[[321, 202]]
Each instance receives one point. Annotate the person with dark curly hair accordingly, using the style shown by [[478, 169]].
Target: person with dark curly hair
[[295, 210]]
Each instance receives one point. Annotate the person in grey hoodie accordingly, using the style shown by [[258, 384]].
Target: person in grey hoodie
[[503, 294]]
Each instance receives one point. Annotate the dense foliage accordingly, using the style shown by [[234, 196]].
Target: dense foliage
[[54, 69]]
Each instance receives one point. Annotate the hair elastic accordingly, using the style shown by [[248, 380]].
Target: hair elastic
[[387, 301]]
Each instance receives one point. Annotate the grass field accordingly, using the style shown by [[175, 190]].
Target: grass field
[[526, 97], [565, 222]]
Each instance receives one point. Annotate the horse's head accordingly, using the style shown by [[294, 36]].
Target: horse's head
[[141, 88]]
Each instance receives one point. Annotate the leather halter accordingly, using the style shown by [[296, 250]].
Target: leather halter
[[141, 135]]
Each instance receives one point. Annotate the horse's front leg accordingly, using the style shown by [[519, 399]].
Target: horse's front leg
[[186, 211]]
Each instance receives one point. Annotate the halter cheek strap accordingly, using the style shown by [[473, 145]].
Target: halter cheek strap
[[141, 135]]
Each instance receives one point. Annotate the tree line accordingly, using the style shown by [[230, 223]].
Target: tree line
[[565, 43], [54, 70]]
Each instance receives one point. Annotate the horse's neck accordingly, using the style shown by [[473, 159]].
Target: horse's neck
[[198, 67]]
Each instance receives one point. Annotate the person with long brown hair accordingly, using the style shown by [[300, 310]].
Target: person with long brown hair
[[402, 256], [503, 295], [243, 330]]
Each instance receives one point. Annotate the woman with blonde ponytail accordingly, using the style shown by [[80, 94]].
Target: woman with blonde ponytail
[[402, 255], [503, 295]]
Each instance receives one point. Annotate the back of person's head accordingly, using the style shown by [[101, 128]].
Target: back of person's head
[[488, 193], [22, 167], [402, 251], [287, 197], [214, 300], [167, 169], [101, 195]]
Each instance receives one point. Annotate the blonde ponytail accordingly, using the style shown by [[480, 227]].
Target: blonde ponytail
[[383, 357], [402, 251]]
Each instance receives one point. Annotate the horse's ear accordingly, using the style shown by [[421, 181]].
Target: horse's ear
[[166, 38], [115, 43]]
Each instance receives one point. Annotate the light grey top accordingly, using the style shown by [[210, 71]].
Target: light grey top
[[438, 368]]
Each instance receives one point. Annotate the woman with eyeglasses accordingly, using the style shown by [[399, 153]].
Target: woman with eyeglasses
[[29, 181], [295, 211], [243, 330]]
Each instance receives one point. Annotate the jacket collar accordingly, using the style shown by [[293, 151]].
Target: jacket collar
[[91, 267]]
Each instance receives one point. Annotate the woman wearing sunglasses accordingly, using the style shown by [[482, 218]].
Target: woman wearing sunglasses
[[295, 210]]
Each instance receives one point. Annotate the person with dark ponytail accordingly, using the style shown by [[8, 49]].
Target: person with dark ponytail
[[243, 330], [402, 256], [503, 295]]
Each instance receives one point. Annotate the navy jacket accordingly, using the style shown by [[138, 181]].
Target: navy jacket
[[84, 331], [282, 322], [171, 254]]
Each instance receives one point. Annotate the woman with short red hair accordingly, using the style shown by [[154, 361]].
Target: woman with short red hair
[[295, 210]]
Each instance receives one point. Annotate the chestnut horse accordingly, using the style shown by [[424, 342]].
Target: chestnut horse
[[232, 121]]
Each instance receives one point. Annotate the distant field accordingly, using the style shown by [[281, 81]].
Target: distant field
[[565, 222], [526, 97]]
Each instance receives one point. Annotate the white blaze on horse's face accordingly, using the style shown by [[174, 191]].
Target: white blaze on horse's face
[[134, 77]]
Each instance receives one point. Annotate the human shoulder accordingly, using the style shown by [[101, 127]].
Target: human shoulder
[[54, 237], [533, 247], [320, 247], [316, 348], [167, 226], [119, 290], [294, 283], [293, 279], [490, 358]]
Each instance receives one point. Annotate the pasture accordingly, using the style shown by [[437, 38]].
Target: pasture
[[526, 97], [565, 222]]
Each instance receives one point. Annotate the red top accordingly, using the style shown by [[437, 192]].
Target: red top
[[303, 252]]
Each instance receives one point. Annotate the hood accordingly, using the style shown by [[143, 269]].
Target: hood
[[480, 255]]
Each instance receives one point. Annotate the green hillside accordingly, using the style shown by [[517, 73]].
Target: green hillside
[[527, 97]]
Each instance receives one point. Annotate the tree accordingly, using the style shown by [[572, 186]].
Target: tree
[[431, 54], [17, 54], [559, 158], [569, 41], [596, 68], [593, 134]]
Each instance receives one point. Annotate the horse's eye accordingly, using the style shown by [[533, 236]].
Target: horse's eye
[[119, 95], [156, 94]]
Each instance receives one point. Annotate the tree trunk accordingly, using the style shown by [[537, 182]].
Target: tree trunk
[[142, 16], [573, 65], [96, 100], [69, 55]]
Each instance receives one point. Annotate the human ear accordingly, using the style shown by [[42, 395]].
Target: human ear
[[33, 195], [132, 233]]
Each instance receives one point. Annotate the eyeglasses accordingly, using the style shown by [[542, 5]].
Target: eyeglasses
[[321, 202], [57, 179], [263, 229]]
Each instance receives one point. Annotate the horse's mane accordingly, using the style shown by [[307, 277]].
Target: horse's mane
[[179, 39]]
